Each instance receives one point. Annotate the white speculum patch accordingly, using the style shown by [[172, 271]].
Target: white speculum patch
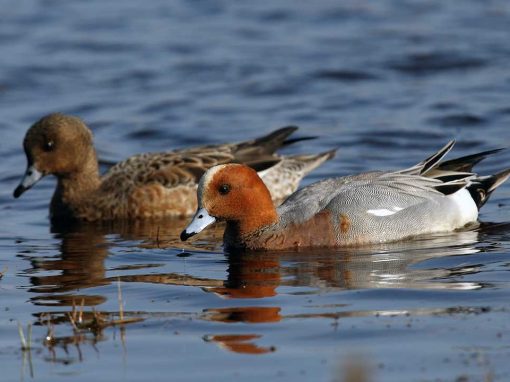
[[385, 211]]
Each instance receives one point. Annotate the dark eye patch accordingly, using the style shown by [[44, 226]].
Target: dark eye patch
[[224, 189], [49, 146]]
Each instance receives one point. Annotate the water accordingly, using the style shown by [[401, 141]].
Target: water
[[387, 82]]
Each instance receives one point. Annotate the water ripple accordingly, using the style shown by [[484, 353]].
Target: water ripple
[[435, 63]]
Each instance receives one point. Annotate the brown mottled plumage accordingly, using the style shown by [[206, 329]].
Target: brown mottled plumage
[[145, 185]]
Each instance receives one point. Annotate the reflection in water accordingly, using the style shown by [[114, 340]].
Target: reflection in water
[[87, 329], [80, 265], [258, 275], [389, 265], [83, 250], [249, 314], [239, 343], [62, 279], [152, 233], [255, 275]]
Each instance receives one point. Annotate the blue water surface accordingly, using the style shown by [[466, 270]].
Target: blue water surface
[[386, 82]]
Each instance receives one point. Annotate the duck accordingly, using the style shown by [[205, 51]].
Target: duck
[[147, 185], [367, 208]]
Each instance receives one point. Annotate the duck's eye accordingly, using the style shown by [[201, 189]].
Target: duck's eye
[[224, 189], [49, 146]]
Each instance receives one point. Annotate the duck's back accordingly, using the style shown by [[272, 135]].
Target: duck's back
[[370, 208], [156, 184]]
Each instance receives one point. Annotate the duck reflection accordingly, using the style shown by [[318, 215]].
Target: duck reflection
[[239, 343], [80, 265], [63, 279], [83, 248], [258, 275]]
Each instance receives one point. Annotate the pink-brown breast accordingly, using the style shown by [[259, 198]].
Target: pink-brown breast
[[318, 231]]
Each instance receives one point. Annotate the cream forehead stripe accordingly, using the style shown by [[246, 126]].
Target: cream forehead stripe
[[204, 181]]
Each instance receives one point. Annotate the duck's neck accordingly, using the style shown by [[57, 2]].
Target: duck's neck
[[76, 188], [264, 217], [240, 232]]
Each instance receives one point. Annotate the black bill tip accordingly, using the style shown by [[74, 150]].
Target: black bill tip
[[18, 191], [185, 235]]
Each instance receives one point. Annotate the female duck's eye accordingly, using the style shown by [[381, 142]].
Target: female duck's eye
[[224, 189], [49, 146]]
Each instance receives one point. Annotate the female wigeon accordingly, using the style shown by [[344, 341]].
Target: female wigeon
[[145, 185], [367, 208]]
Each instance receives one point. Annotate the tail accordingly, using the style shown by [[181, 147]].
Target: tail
[[278, 138], [466, 164], [291, 141], [260, 153], [457, 173], [482, 187], [265, 145], [432, 167], [307, 163], [459, 169], [427, 164], [450, 170]]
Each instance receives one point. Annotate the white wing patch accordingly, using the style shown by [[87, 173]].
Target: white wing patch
[[385, 211]]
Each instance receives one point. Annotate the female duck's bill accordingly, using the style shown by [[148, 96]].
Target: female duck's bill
[[31, 177], [368, 208]]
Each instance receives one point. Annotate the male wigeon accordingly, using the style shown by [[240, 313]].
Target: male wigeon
[[367, 208], [145, 185]]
